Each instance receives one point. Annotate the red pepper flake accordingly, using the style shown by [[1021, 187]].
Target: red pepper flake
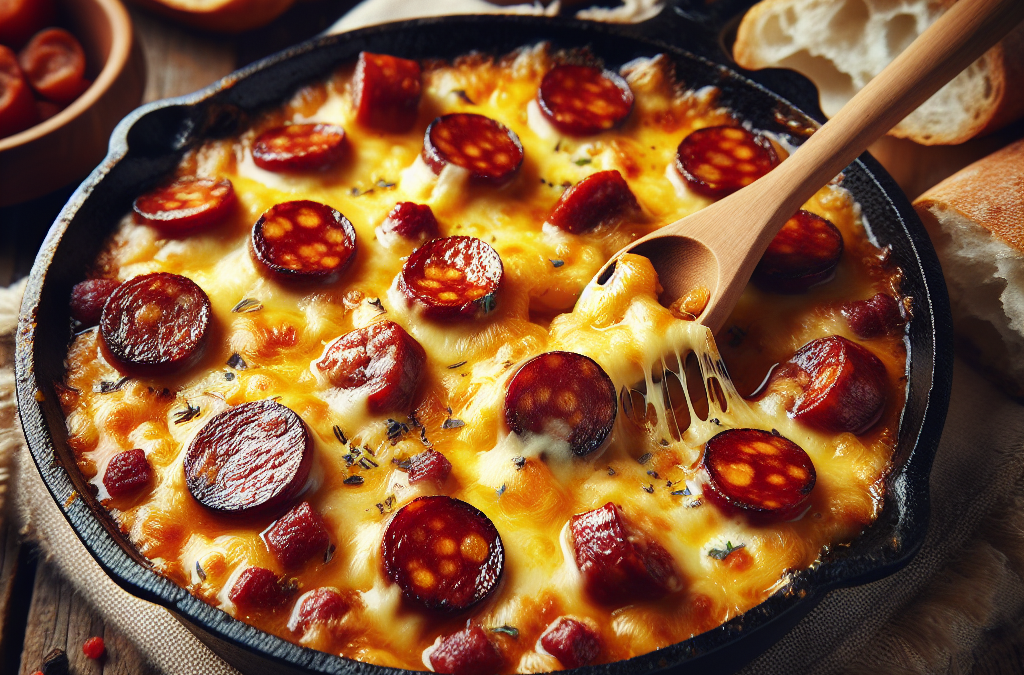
[[94, 648]]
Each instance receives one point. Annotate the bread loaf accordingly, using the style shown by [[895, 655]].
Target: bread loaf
[[841, 44], [976, 221]]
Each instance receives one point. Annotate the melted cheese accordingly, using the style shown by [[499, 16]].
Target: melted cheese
[[529, 487]]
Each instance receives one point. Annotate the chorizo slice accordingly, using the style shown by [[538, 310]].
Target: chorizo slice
[[571, 641], [758, 473], [17, 105], [127, 472], [54, 64], [299, 147], [303, 241], [258, 588], [564, 395], [321, 606], [386, 91], [298, 536], [453, 278], [620, 565], [804, 253], [21, 19], [599, 198], [429, 465], [467, 652], [88, 298], [381, 361], [717, 161], [252, 458], [877, 316], [489, 150], [844, 386], [155, 323], [584, 100], [444, 554], [410, 221], [186, 205]]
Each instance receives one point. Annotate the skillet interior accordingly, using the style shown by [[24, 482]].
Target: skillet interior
[[147, 145]]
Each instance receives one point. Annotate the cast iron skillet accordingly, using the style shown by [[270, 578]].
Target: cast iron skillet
[[147, 145]]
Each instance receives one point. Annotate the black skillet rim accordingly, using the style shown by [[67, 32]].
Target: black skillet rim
[[857, 563]]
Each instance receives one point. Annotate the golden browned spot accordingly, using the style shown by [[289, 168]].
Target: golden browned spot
[[797, 472], [567, 401], [308, 218], [423, 578], [448, 567], [149, 313], [776, 479], [474, 548], [428, 283], [448, 296], [743, 152], [735, 134], [738, 473], [437, 524], [765, 448], [445, 547]]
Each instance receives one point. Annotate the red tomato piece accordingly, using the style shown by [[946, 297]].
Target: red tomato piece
[[717, 161], [186, 205], [572, 642], [386, 90], [381, 361], [298, 536], [599, 198], [258, 588], [467, 652], [758, 473], [321, 606], [453, 278], [804, 253], [489, 150], [299, 147], [877, 316], [21, 19], [250, 459], [17, 105], [429, 465], [303, 241], [155, 324], [54, 63], [444, 554], [127, 472], [88, 298], [619, 565], [410, 221], [94, 648], [584, 100], [564, 395]]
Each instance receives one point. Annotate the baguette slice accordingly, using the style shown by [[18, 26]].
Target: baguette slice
[[841, 44], [976, 221], [222, 16]]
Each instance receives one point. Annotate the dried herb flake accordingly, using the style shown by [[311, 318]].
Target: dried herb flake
[[511, 631], [457, 365], [340, 435], [237, 362], [583, 161], [452, 423], [329, 553], [246, 305], [556, 263], [188, 414], [644, 458], [106, 387], [200, 571], [723, 553], [354, 480]]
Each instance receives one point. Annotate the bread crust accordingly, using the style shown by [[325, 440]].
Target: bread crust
[[222, 16]]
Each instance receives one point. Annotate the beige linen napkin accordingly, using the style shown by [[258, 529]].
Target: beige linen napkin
[[931, 617]]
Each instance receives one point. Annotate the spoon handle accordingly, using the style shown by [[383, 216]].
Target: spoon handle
[[952, 43]]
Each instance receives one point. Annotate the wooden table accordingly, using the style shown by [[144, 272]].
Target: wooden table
[[38, 610]]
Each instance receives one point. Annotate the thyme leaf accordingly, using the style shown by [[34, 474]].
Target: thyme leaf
[[511, 631], [106, 387], [246, 305], [354, 480], [189, 413], [723, 553]]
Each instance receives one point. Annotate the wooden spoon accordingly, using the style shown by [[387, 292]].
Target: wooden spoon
[[719, 246]]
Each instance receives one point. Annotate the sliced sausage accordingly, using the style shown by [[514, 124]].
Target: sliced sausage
[[599, 198], [321, 606], [429, 465], [298, 536], [17, 105], [803, 254], [843, 385], [127, 472], [299, 147], [444, 554], [875, 317], [21, 19], [410, 221], [252, 458], [258, 588], [489, 150], [54, 63], [381, 361], [386, 90], [717, 161], [572, 642], [467, 652], [186, 205], [564, 395], [758, 473], [303, 241], [619, 565], [155, 323], [88, 298], [453, 278], [584, 100]]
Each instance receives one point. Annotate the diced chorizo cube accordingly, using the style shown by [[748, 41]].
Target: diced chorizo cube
[[298, 535], [572, 642], [127, 472], [258, 588], [467, 652], [429, 465]]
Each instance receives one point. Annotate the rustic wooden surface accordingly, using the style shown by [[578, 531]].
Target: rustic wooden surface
[[38, 610]]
